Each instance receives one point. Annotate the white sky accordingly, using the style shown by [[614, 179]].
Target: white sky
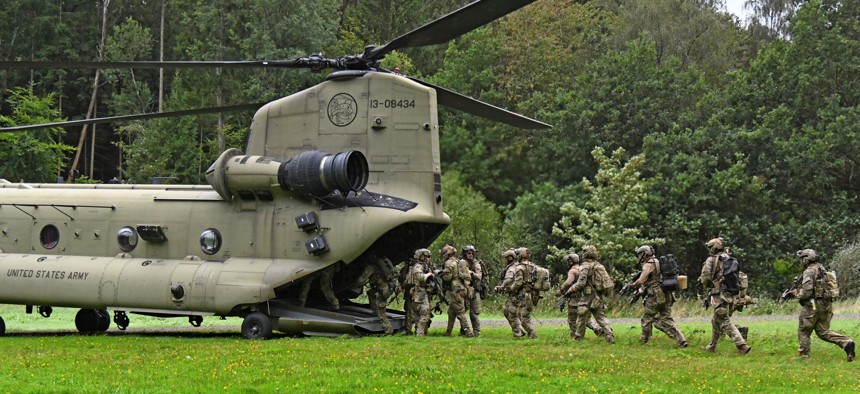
[[737, 7]]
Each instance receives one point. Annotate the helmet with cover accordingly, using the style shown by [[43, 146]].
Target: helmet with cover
[[509, 253], [571, 258], [589, 251], [522, 253], [469, 249], [447, 251], [645, 250], [807, 256], [422, 253], [716, 245]]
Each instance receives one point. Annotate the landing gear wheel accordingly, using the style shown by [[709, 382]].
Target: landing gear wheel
[[2, 327], [257, 326], [195, 321], [121, 320], [104, 320], [88, 321]]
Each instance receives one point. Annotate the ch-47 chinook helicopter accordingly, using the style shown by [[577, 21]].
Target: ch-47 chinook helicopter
[[343, 175]]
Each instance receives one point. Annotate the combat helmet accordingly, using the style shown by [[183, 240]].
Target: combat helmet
[[509, 253], [807, 256], [589, 251], [647, 250], [447, 251], [571, 258], [716, 245], [421, 253], [469, 248], [522, 253]]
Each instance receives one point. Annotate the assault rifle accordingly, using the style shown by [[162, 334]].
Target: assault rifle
[[562, 301], [438, 290], [790, 292], [628, 288]]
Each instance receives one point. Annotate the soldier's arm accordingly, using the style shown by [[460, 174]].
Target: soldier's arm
[[647, 269], [465, 272], [581, 281], [706, 277], [807, 284], [478, 272], [571, 278]]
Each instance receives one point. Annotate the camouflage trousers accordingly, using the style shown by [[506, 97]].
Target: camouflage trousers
[[419, 311], [408, 316], [457, 310], [378, 303], [659, 315], [325, 276], [571, 321], [721, 322], [819, 321], [584, 312], [512, 314], [473, 305], [525, 306]]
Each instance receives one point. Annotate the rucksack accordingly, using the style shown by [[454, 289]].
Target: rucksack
[[541, 276], [825, 284], [669, 273], [601, 280], [731, 281], [485, 280]]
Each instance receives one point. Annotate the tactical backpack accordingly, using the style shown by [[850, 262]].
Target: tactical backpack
[[731, 281], [825, 284], [485, 279], [601, 280], [541, 276], [669, 273]]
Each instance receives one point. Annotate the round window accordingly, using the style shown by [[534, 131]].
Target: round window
[[49, 236], [127, 238], [210, 241]]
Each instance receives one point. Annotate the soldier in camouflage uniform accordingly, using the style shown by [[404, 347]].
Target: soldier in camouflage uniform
[[418, 293], [473, 301], [589, 303], [658, 304], [816, 307], [381, 284], [723, 302], [457, 279], [510, 311], [522, 288], [325, 277], [573, 261], [403, 275]]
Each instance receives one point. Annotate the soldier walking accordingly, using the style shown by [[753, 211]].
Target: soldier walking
[[456, 276], [590, 301], [722, 300], [473, 300], [418, 291], [510, 311], [658, 303], [573, 261], [816, 294], [522, 288], [381, 284]]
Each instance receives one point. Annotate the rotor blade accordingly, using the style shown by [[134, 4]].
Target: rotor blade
[[472, 106], [451, 26], [111, 119], [49, 65]]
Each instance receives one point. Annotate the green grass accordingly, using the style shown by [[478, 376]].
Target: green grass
[[209, 359]]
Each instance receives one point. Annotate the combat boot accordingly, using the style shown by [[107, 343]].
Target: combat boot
[[533, 335], [849, 351], [744, 331], [744, 349], [682, 344], [712, 347]]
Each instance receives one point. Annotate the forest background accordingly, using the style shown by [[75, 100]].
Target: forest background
[[674, 121]]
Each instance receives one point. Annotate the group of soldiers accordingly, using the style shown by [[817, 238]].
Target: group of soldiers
[[461, 283]]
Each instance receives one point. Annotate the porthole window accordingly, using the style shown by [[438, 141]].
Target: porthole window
[[49, 236], [127, 239], [210, 241]]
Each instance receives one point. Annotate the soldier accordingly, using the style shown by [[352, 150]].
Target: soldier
[[510, 311], [816, 306], [473, 301], [382, 284], [572, 260], [590, 302], [418, 294], [522, 288], [456, 276], [658, 304], [405, 288], [325, 277], [722, 301]]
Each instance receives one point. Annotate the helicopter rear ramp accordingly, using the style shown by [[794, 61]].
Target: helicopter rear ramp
[[350, 319]]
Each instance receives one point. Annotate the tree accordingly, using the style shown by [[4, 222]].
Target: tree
[[615, 214], [33, 156]]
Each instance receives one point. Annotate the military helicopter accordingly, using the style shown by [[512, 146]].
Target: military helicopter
[[342, 176]]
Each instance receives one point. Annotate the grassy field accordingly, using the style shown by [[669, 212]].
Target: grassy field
[[216, 359]]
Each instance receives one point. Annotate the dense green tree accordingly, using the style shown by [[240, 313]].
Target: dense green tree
[[34, 156]]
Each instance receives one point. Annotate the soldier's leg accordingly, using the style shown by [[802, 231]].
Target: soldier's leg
[[379, 306], [600, 317], [303, 291], [571, 319], [325, 285], [512, 315], [822, 329], [648, 317], [459, 307], [730, 329], [452, 314], [526, 317], [667, 324], [582, 316], [716, 332], [593, 326], [805, 326], [422, 311], [409, 315], [474, 314]]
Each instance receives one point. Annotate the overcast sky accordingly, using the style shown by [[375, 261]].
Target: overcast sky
[[736, 7]]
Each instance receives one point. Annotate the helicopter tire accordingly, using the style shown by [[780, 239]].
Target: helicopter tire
[[257, 326], [88, 321], [104, 320], [2, 327]]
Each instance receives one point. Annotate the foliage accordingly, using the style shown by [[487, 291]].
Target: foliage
[[33, 156], [846, 263], [613, 217]]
